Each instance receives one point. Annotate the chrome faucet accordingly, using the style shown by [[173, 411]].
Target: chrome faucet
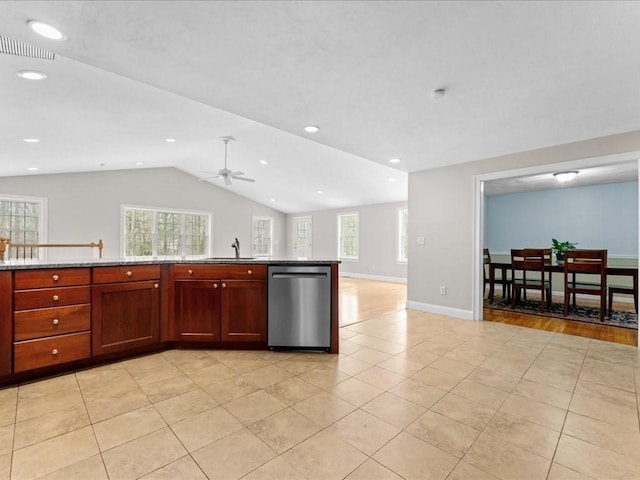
[[236, 246]]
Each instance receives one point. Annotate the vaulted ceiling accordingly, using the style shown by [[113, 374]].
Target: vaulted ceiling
[[517, 76]]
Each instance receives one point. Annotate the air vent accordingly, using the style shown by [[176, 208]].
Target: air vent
[[15, 47]]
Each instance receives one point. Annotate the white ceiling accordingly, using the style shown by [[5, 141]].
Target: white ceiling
[[518, 76]]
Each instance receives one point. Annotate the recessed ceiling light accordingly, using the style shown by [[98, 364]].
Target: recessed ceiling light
[[263, 162], [31, 140], [392, 179], [32, 75], [565, 176], [272, 199], [439, 93], [319, 192], [311, 129], [394, 160], [45, 30], [170, 140], [139, 163], [33, 169]]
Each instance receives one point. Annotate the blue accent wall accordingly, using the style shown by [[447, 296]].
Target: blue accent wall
[[597, 216]]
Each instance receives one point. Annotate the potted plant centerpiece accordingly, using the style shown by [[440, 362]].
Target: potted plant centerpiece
[[560, 247]]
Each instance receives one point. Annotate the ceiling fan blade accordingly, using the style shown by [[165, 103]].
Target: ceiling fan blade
[[227, 180], [244, 179], [235, 174]]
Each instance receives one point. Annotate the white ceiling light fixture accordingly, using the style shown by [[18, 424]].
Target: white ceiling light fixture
[[226, 174], [33, 169], [439, 93], [565, 177], [319, 192], [30, 140], [32, 75], [263, 162], [45, 30], [392, 179], [170, 140], [311, 129], [394, 160]]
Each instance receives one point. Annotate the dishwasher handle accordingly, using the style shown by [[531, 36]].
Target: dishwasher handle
[[299, 275]]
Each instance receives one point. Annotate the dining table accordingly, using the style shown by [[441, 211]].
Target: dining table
[[621, 271]]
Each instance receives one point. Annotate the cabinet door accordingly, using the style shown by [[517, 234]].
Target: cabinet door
[[244, 311], [198, 310], [125, 316], [6, 311]]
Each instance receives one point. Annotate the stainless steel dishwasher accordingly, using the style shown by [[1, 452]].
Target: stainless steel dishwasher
[[299, 306]]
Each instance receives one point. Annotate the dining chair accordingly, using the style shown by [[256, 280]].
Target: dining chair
[[591, 265], [620, 290], [528, 273], [503, 280]]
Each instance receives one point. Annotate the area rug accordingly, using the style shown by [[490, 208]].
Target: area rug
[[580, 314]]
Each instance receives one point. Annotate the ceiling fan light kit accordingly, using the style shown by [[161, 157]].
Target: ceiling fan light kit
[[226, 174]]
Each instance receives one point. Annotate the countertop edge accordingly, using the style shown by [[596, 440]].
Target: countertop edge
[[42, 264]]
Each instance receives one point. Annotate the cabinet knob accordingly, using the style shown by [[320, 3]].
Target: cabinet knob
[[56, 321], [129, 273], [55, 278], [190, 272], [250, 272], [224, 285], [54, 351], [215, 285], [56, 298], [155, 285]]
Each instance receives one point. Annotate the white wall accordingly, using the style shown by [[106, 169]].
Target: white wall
[[85, 207], [441, 205], [378, 240]]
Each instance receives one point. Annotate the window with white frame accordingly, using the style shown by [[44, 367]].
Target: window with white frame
[[348, 236], [403, 237], [150, 232], [22, 221], [262, 231]]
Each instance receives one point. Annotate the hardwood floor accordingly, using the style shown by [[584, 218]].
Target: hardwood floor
[[366, 299]]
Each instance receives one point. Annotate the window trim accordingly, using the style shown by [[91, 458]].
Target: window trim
[[253, 223], [401, 211], [123, 233], [339, 218], [43, 229]]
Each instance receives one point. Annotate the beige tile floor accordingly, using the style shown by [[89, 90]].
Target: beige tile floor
[[412, 395]]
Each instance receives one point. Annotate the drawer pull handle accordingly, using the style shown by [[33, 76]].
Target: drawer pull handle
[[55, 278], [56, 321], [190, 272], [215, 285], [54, 351], [250, 272], [224, 285], [155, 285], [56, 298], [129, 273]]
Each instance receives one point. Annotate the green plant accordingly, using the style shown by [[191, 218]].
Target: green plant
[[560, 247]]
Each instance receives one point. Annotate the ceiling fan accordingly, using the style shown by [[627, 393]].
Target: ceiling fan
[[224, 173]]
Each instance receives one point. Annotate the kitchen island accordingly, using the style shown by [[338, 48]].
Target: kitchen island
[[61, 315]]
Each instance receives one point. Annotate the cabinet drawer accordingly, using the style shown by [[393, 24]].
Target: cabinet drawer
[[125, 273], [51, 277], [51, 351], [51, 297], [45, 322], [203, 272]]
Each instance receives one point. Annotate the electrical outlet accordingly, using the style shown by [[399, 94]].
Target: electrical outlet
[[443, 290], [420, 240]]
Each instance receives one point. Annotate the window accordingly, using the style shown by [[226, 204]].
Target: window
[[156, 233], [262, 237], [348, 236], [22, 221], [403, 237]]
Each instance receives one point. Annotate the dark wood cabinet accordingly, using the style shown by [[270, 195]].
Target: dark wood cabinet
[[197, 310], [226, 303], [6, 311], [125, 316], [244, 311]]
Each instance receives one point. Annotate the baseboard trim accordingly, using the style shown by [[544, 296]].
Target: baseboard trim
[[449, 311], [379, 278]]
